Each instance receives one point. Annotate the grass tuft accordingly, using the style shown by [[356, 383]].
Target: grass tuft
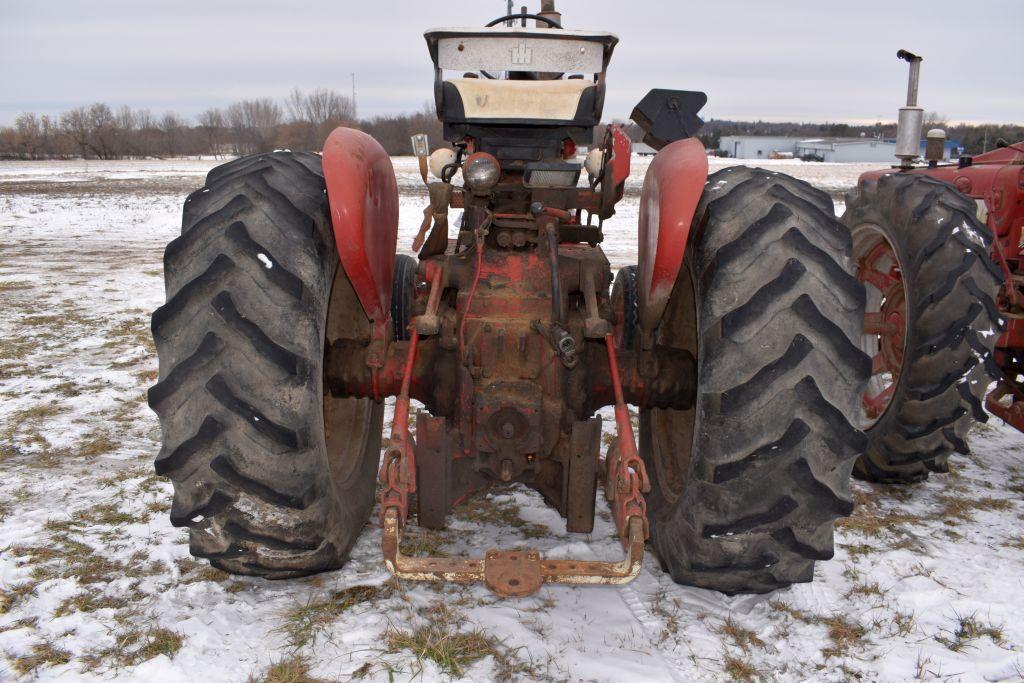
[[743, 637], [967, 630], [293, 669], [739, 669], [440, 641], [42, 654], [304, 623], [134, 646]]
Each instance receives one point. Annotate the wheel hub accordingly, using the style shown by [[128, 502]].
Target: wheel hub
[[885, 319]]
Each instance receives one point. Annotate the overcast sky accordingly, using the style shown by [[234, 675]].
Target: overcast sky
[[803, 60]]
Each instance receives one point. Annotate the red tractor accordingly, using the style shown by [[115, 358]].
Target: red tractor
[[289, 320], [939, 250]]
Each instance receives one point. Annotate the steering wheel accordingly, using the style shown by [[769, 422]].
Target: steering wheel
[[550, 22]]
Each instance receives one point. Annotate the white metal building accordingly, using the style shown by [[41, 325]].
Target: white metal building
[[847, 149], [756, 146]]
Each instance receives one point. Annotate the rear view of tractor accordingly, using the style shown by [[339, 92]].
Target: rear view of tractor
[[289, 320], [939, 251]]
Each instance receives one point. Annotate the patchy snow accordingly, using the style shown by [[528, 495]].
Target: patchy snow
[[927, 581]]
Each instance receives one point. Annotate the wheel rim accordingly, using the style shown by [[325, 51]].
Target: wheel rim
[[885, 318], [348, 422], [672, 431]]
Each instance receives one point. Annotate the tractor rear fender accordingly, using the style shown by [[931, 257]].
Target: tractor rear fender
[[363, 196], [672, 189]]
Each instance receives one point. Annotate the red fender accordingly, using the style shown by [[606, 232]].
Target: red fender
[[672, 189], [363, 195]]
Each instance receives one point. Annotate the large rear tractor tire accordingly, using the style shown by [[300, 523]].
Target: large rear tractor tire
[[746, 486], [931, 322], [272, 476]]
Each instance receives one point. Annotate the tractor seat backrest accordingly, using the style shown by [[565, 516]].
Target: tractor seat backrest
[[522, 75], [480, 100]]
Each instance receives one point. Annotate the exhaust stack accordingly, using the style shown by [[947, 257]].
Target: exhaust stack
[[911, 119], [548, 11]]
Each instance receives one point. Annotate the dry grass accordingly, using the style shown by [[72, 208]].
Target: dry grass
[[739, 669], [961, 507], [670, 610], [502, 511], [96, 443], [26, 622], [843, 633], [133, 646], [875, 520], [41, 655], [15, 285], [293, 669], [303, 624], [865, 590], [441, 642], [93, 601], [130, 333], [193, 571], [968, 629], [445, 638], [417, 541], [67, 558], [743, 637]]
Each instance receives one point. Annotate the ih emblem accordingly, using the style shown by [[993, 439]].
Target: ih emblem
[[522, 54]]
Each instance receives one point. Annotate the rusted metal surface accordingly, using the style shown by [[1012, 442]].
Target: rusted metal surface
[[511, 573], [398, 470], [1006, 401], [434, 463], [581, 482], [520, 573], [885, 321]]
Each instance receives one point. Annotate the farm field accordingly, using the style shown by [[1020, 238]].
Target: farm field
[[927, 582]]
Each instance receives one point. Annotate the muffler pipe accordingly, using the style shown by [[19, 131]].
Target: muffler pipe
[[911, 118]]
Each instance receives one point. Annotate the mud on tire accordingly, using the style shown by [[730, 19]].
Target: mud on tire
[[950, 284], [271, 477], [746, 486]]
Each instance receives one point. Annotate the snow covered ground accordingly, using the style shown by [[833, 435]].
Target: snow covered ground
[[927, 581]]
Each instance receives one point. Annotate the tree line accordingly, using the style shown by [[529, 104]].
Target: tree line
[[304, 119], [301, 122]]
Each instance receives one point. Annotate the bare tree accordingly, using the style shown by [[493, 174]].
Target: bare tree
[[212, 124], [27, 135], [253, 124], [170, 127], [320, 106]]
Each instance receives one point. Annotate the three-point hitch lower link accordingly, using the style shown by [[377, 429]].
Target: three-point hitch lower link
[[514, 573]]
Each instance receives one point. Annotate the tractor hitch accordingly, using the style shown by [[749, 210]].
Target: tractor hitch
[[517, 573]]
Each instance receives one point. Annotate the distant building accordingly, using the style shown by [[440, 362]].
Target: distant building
[[843, 150], [643, 149], [756, 146]]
